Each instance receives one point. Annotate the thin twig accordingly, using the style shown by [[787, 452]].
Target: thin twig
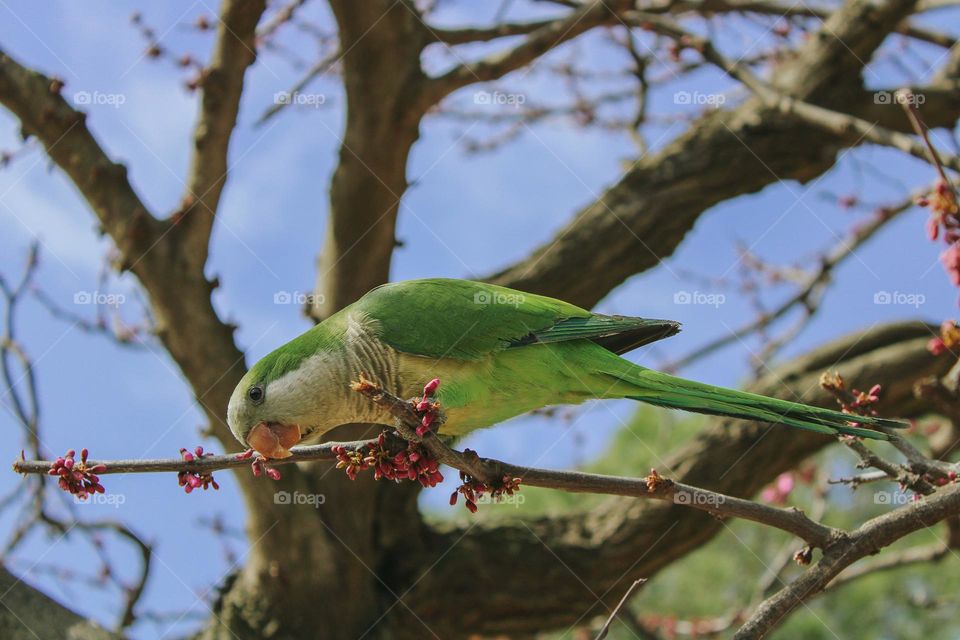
[[605, 629]]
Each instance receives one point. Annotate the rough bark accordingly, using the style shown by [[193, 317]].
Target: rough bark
[[382, 42], [28, 614]]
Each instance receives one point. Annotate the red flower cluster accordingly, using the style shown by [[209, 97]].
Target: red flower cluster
[[853, 401], [76, 477], [943, 205], [863, 401], [412, 463], [948, 340], [191, 480], [472, 490], [945, 217], [259, 465], [427, 408], [940, 482]]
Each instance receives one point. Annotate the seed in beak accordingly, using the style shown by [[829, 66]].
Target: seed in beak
[[274, 440]]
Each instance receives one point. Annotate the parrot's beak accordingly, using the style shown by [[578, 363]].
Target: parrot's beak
[[274, 440]]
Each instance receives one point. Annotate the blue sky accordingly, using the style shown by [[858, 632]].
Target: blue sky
[[467, 215]]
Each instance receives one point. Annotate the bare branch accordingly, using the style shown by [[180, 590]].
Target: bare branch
[[605, 629], [221, 88], [812, 285], [551, 34], [501, 30], [868, 539], [641, 220]]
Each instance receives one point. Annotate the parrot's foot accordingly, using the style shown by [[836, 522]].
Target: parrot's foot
[[412, 462], [191, 480], [475, 491], [427, 409], [259, 465]]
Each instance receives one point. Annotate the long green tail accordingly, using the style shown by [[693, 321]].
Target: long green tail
[[664, 390]]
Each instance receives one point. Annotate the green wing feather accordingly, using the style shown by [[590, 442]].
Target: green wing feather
[[461, 319], [466, 320]]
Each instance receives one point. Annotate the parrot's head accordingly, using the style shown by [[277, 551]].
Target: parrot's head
[[268, 406]]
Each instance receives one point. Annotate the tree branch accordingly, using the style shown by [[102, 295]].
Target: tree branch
[[866, 540], [641, 220], [221, 89], [549, 35]]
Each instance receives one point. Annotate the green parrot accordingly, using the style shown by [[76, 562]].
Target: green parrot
[[498, 352]]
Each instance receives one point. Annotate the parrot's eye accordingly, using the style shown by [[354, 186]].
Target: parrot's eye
[[256, 394]]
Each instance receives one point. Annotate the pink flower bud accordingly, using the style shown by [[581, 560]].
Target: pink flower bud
[[936, 346], [431, 386]]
